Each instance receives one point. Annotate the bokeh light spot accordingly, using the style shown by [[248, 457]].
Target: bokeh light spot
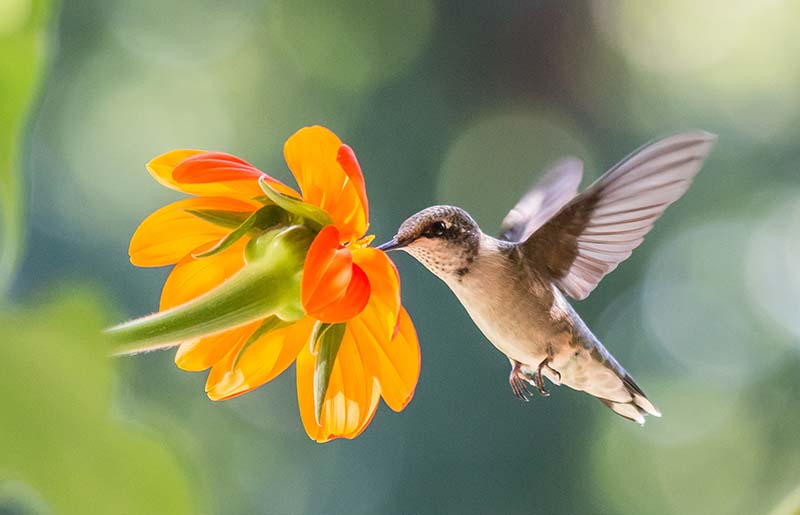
[[790, 505], [493, 161], [109, 129], [773, 264], [704, 461], [748, 54], [13, 15], [182, 34], [354, 45], [696, 303]]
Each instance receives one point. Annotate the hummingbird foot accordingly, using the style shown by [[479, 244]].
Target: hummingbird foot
[[538, 379], [518, 381], [538, 382]]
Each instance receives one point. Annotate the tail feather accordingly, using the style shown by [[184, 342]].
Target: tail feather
[[639, 405], [639, 397], [626, 410]]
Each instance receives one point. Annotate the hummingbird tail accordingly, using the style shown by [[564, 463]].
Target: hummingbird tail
[[636, 409]]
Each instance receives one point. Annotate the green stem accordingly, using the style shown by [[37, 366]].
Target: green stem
[[269, 284]]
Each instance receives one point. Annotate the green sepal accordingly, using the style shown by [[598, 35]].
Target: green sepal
[[269, 284], [263, 199], [326, 339], [221, 217], [270, 324], [315, 217], [264, 218]]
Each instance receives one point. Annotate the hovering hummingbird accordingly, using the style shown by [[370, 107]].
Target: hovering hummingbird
[[553, 243]]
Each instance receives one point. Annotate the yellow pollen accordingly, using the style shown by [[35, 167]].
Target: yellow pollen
[[363, 242]]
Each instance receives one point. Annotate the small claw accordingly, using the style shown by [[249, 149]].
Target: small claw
[[518, 388], [556, 372], [524, 393], [538, 380], [518, 384], [539, 383]]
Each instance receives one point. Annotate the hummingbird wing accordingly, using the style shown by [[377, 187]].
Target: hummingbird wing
[[598, 229], [558, 185]]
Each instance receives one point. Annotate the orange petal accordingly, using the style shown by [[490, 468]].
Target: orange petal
[[347, 160], [261, 361], [197, 169], [384, 333], [395, 362], [351, 399], [400, 372], [351, 304], [200, 354], [330, 178], [222, 170], [384, 281], [333, 288], [193, 277], [162, 166], [222, 372], [214, 166], [171, 233], [327, 270]]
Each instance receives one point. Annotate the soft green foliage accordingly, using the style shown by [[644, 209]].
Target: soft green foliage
[[23, 51], [57, 434]]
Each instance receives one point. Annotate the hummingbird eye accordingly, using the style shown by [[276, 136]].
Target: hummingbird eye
[[436, 229]]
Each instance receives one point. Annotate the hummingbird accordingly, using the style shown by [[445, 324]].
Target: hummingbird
[[554, 244]]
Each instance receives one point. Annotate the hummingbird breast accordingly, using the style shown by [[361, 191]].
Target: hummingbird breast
[[515, 308]]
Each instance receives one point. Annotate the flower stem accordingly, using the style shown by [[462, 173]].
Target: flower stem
[[269, 284]]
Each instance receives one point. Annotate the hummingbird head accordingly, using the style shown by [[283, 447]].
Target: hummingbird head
[[445, 239]]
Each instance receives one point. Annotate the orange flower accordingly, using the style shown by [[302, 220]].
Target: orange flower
[[344, 281]]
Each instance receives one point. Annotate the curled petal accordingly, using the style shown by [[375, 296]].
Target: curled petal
[[172, 232], [333, 288], [204, 173], [263, 360], [214, 167], [355, 299], [351, 399], [330, 178], [161, 167], [347, 160], [220, 170], [327, 270]]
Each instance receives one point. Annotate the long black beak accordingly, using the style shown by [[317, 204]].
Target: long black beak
[[390, 245]]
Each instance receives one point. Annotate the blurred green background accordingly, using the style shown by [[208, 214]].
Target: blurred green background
[[444, 102]]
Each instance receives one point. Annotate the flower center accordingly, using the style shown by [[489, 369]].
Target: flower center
[[360, 243]]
